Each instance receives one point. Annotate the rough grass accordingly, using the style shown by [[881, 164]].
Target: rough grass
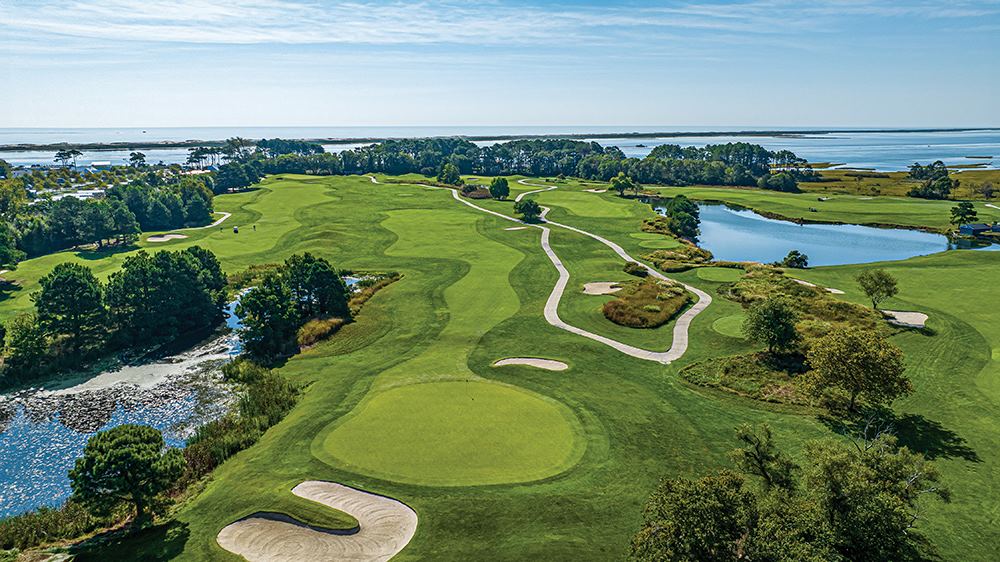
[[317, 330], [646, 304]]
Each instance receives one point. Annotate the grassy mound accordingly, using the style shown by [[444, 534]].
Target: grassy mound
[[646, 304], [455, 434], [756, 376]]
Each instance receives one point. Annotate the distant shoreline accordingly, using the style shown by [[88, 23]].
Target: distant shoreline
[[96, 146]]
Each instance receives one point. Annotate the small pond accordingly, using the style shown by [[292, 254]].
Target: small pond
[[743, 235]]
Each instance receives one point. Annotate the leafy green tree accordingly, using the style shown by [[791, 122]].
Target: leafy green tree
[[125, 465], [124, 224], [499, 188], [9, 253], [449, 174], [963, 213], [771, 322], [231, 177], [796, 260], [5, 169], [869, 496], [529, 209], [25, 347], [861, 362], [782, 181], [316, 288], [70, 303], [270, 320], [136, 159], [704, 519], [878, 284], [622, 183]]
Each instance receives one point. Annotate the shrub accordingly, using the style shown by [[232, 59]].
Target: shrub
[[634, 268], [48, 524], [318, 329], [646, 304]]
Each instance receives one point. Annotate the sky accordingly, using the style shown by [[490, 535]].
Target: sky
[[754, 63]]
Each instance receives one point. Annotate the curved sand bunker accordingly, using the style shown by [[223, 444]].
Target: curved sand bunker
[[827, 289], [385, 527], [547, 364], [906, 319], [602, 288], [596, 190], [166, 238], [516, 228]]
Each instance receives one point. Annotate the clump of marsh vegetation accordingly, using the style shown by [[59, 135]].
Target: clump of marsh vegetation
[[646, 304], [681, 258]]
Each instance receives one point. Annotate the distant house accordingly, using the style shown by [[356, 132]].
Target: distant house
[[975, 229]]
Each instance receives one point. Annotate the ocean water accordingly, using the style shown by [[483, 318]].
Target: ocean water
[[883, 151]]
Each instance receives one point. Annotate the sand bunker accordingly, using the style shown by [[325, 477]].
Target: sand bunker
[[827, 289], [906, 319], [165, 238], [602, 288], [547, 364], [596, 190], [385, 527], [516, 228]]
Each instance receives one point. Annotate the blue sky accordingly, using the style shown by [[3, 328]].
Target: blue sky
[[150, 63]]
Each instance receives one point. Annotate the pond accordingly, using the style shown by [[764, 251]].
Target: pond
[[743, 235]]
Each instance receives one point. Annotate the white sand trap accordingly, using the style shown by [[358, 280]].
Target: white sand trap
[[992, 206], [602, 288], [906, 319], [596, 190], [827, 289], [547, 364], [516, 228], [385, 528], [166, 238]]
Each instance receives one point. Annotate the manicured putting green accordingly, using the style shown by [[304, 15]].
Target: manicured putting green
[[455, 433], [645, 236], [731, 326], [719, 274]]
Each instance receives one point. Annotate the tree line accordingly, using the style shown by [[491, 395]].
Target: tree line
[[154, 298]]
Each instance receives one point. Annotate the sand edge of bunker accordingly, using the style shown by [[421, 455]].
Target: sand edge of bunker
[[547, 364], [166, 238], [601, 288], [566, 434], [385, 527]]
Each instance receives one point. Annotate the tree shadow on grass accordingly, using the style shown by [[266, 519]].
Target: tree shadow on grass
[[7, 289], [914, 431], [157, 543], [95, 254]]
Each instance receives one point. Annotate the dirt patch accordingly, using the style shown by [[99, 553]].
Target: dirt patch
[[547, 364], [385, 527], [906, 319], [166, 238], [601, 288]]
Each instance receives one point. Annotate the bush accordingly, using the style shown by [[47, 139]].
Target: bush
[[646, 304], [318, 329], [634, 268], [48, 524]]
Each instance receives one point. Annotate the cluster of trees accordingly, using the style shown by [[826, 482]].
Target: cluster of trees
[[936, 183], [858, 502], [861, 363], [272, 312], [153, 298], [50, 226], [726, 164], [529, 209], [187, 201], [682, 217]]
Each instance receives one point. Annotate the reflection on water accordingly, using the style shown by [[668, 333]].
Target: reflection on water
[[743, 235]]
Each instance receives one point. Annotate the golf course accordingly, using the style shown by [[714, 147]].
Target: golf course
[[406, 403]]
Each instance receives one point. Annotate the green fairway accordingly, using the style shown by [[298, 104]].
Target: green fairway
[[454, 434], [538, 464]]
